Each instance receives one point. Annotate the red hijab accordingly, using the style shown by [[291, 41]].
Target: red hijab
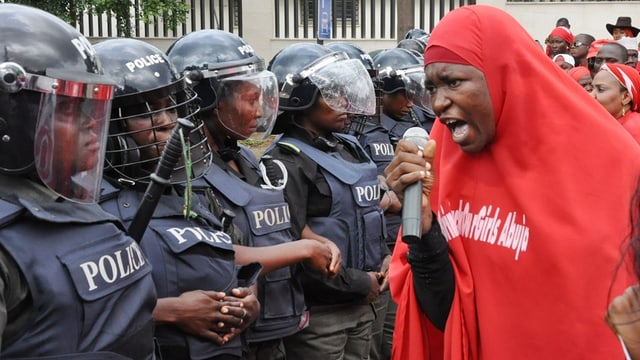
[[561, 32], [578, 72], [627, 77], [630, 79], [535, 222]]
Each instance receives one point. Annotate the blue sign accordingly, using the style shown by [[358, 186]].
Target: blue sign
[[324, 19]]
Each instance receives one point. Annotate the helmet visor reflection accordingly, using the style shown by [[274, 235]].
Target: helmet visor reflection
[[346, 86], [70, 140], [413, 80], [248, 104]]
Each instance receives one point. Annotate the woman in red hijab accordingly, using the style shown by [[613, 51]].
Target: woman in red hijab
[[558, 41], [582, 76], [617, 88], [532, 192]]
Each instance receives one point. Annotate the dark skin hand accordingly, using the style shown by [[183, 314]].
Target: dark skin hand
[[409, 165], [320, 254], [329, 266], [623, 317], [244, 307], [196, 312], [379, 281], [332, 268], [375, 287], [383, 275]]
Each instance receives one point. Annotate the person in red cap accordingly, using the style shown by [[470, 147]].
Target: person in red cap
[[622, 28], [530, 186], [558, 41], [593, 51], [617, 87]]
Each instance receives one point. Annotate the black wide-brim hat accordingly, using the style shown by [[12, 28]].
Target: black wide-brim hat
[[623, 22]]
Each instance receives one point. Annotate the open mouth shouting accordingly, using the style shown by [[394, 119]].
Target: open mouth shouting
[[459, 130]]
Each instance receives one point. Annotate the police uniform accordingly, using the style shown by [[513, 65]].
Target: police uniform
[[84, 287], [263, 216], [186, 254], [397, 127], [334, 188], [396, 130], [374, 139], [377, 142]]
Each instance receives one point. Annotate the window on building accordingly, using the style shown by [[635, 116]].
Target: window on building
[[344, 11]]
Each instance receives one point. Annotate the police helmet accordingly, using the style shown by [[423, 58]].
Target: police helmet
[[51, 84], [418, 34], [354, 52], [220, 65], [414, 45], [290, 61], [150, 96], [400, 69], [305, 70]]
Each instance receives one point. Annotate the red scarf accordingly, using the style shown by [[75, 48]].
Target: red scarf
[[561, 32], [536, 221], [631, 122]]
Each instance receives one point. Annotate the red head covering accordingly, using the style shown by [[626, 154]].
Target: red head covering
[[578, 72], [536, 220], [595, 47], [562, 32], [629, 78]]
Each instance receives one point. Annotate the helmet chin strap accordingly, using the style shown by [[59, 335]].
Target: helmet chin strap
[[228, 148]]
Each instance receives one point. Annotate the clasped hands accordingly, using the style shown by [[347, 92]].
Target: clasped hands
[[215, 315]]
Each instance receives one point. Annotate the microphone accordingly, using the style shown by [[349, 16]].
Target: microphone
[[412, 201]]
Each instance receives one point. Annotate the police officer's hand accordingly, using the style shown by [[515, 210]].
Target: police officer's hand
[[409, 165], [318, 255], [334, 266], [195, 312], [623, 317], [244, 307], [383, 277], [375, 287], [331, 267]]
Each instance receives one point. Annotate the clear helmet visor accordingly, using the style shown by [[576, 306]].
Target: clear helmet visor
[[248, 104], [346, 86], [141, 129], [70, 140], [414, 80]]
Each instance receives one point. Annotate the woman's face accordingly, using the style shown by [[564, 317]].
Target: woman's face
[[239, 112], [396, 105], [557, 45], [77, 133], [322, 119], [586, 82], [460, 98], [608, 92], [618, 33], [153, 130]]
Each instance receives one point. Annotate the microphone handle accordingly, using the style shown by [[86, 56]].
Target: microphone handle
[[412, 213]]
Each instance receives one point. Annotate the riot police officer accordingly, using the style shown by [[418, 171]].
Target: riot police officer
[[376, 141], [74, 286], [201, 305], [239, 99], [333, 186], [406, 102]]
